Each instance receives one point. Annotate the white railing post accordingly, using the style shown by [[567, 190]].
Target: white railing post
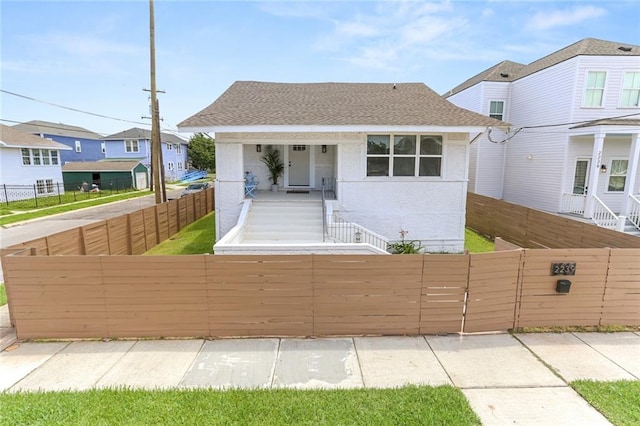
[[620, 224], [633, 211], [602, 215]]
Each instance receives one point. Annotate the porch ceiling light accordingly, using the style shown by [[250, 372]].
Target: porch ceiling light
[[258, 148], [603, 168], [324, 149]]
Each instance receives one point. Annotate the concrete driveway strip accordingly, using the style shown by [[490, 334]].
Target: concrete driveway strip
[[388, 362], [623, 348], [79, 366], [532, 406], [152, 364], [233, 363], [497, 360], [572, 358], [317, 364], [17, 361]]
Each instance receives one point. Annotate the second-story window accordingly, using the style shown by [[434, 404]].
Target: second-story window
[[131, 145], [178, 149], [78, 146], [496, 109], [103, 147], [631, 90], [169, 147], [595, 89]]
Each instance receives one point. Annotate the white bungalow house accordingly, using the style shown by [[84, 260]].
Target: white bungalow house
[[393, 158], [573, 147], [29, 165]]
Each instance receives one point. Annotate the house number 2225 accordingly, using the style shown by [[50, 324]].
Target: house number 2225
[[567, 268]]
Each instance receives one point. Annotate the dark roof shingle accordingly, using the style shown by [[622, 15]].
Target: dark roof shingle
[[137, 133], [58, 129], [100, 166], [253, 103]]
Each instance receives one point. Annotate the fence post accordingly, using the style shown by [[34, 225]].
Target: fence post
[[59, 196], [35, 195], [6, 196]]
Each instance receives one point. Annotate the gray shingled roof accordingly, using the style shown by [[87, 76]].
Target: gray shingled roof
[[100, 166], [137, 133], [57, 129], [504, 71], [14, 138], [252, 103], [585, 47]]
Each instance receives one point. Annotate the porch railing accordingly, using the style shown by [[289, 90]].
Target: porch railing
[[634, 211], [573, 203], [603, 216], [342, 231]]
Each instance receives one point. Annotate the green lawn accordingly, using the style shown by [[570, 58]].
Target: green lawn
[[476, 243], [442, 405], [196, 238], [19, 217], [618, 401], [3, 295]]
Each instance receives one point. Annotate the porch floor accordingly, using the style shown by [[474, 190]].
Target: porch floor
[[289, 195]]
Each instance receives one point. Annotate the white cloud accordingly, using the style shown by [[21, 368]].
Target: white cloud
[[561, 18]]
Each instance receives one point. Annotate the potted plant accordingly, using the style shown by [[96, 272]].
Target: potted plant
[[271, 159]]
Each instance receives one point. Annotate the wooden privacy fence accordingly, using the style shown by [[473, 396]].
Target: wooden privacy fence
[[129, 234], [316, 295], [536, 229]]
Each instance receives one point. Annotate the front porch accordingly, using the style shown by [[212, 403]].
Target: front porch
[[604, 158]]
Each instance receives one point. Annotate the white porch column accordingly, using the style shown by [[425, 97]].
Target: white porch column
[[594, 173], [632, 173]]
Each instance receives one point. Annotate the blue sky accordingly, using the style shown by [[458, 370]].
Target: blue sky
[[94, 56]]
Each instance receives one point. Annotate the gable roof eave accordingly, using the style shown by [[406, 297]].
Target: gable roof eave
[[346, 129]]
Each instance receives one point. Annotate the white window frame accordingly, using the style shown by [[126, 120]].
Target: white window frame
[[610, 175], [169, 147], [130, 144], [170, 165], [103, 147], [631, 89], [55, 158], [45, 186], [26, 157], [587, 89], [179, 164], [178, 148], [46, 157], [496, 101], [78, 146], [417, 156], [36, 157]]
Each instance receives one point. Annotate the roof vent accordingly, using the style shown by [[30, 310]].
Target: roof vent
[[624, 48], [504, 74], [394, 85]]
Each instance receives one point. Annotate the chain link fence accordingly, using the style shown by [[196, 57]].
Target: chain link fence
[[46, 193]]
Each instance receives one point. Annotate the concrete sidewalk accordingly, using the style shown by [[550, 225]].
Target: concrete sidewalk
[[519, 379]]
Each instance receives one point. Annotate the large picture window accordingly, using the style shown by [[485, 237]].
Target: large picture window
[[618, 175], [39, 157], [408, 155], [595, 88]]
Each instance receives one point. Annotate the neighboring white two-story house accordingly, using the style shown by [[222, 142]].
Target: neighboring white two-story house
[[135, 144], [395, 155], [573, 146], [29, 165]]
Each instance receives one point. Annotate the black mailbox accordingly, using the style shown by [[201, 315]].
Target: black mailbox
[[563, 286]]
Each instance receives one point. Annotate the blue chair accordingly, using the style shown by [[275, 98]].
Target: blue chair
[[250, 185]]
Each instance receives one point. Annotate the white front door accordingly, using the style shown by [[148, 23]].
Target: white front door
[[141, 180], [581, 176], [299, 165]]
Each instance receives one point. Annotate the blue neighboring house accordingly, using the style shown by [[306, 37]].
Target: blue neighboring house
[[135, 143], [85, 145]]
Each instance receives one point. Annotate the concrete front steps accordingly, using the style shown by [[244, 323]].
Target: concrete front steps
[[280, 222], [629, 228]]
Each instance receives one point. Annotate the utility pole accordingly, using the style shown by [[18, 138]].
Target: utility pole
[[156, 165]]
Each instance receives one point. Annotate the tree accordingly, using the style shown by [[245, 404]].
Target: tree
[[202, 152]]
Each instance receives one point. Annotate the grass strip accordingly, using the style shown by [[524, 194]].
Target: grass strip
[[618, 401], [196, 238], [63, 208], [3, 294], [476, 243], [407, 406]]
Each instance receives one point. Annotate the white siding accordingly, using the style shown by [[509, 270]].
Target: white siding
[[534, 167], [470, 98], [13, 172]]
